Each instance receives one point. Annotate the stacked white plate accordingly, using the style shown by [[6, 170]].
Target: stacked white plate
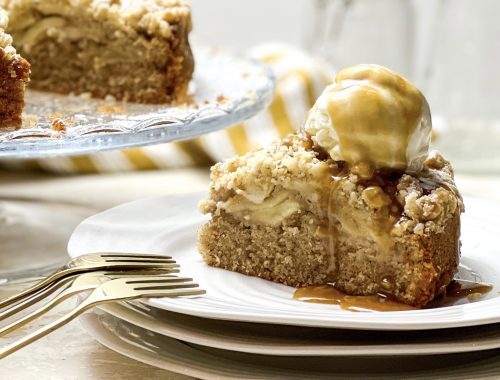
[[245, 327]]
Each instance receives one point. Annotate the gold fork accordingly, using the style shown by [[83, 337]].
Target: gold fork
[[86, 282], [45, 292], [97, 261], [121, 289]]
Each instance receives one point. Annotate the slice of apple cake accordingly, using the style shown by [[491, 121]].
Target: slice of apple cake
[[356, 200]]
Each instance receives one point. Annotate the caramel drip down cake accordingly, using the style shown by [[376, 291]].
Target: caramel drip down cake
[[133, 50], [356, 199]]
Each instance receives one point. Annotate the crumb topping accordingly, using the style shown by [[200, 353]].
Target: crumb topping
[[431, 199], [151, 17], [5, 38], [255, 175], [423, 204]]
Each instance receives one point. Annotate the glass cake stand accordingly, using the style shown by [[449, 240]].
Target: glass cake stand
[[225, 90]]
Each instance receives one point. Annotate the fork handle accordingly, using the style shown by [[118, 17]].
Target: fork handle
[[39, 285], [71, 291], [34, 298], [6, 351]]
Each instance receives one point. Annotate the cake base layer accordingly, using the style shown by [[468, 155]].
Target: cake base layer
[[117, 69], [289, 254], [293, 254], [14, 74], [420, 269], [134, 51]]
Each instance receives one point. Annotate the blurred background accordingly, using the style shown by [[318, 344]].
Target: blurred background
[[449, 48]]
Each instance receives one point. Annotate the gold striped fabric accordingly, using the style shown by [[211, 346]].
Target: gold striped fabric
[[300, 80]]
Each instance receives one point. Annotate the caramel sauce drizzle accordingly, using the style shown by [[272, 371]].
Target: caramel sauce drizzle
[[330, 295], [457, 291], [369, 103]]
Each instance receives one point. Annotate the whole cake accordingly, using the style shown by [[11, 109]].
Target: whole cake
[[356, 199], [14, 74], [133, 50]]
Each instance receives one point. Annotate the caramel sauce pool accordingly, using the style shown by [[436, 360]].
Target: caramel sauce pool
[[457, 290]]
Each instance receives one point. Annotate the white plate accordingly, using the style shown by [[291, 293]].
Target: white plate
[[226, 90], [169, 225], [211, 363], [265, 339]]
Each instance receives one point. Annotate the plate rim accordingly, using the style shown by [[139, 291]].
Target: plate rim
[[347, 321], [95, 327], [259, 346]]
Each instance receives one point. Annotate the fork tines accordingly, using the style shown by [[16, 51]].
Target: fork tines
[[159, 279], [140, 260], [112, 257], [134, 255], [108, 261]]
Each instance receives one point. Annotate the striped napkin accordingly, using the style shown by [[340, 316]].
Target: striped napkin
[[300, 80]]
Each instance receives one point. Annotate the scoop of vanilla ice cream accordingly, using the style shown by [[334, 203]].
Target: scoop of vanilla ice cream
[[374, 117]]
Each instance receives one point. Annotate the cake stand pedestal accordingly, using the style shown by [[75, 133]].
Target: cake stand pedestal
[[225, 90]]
